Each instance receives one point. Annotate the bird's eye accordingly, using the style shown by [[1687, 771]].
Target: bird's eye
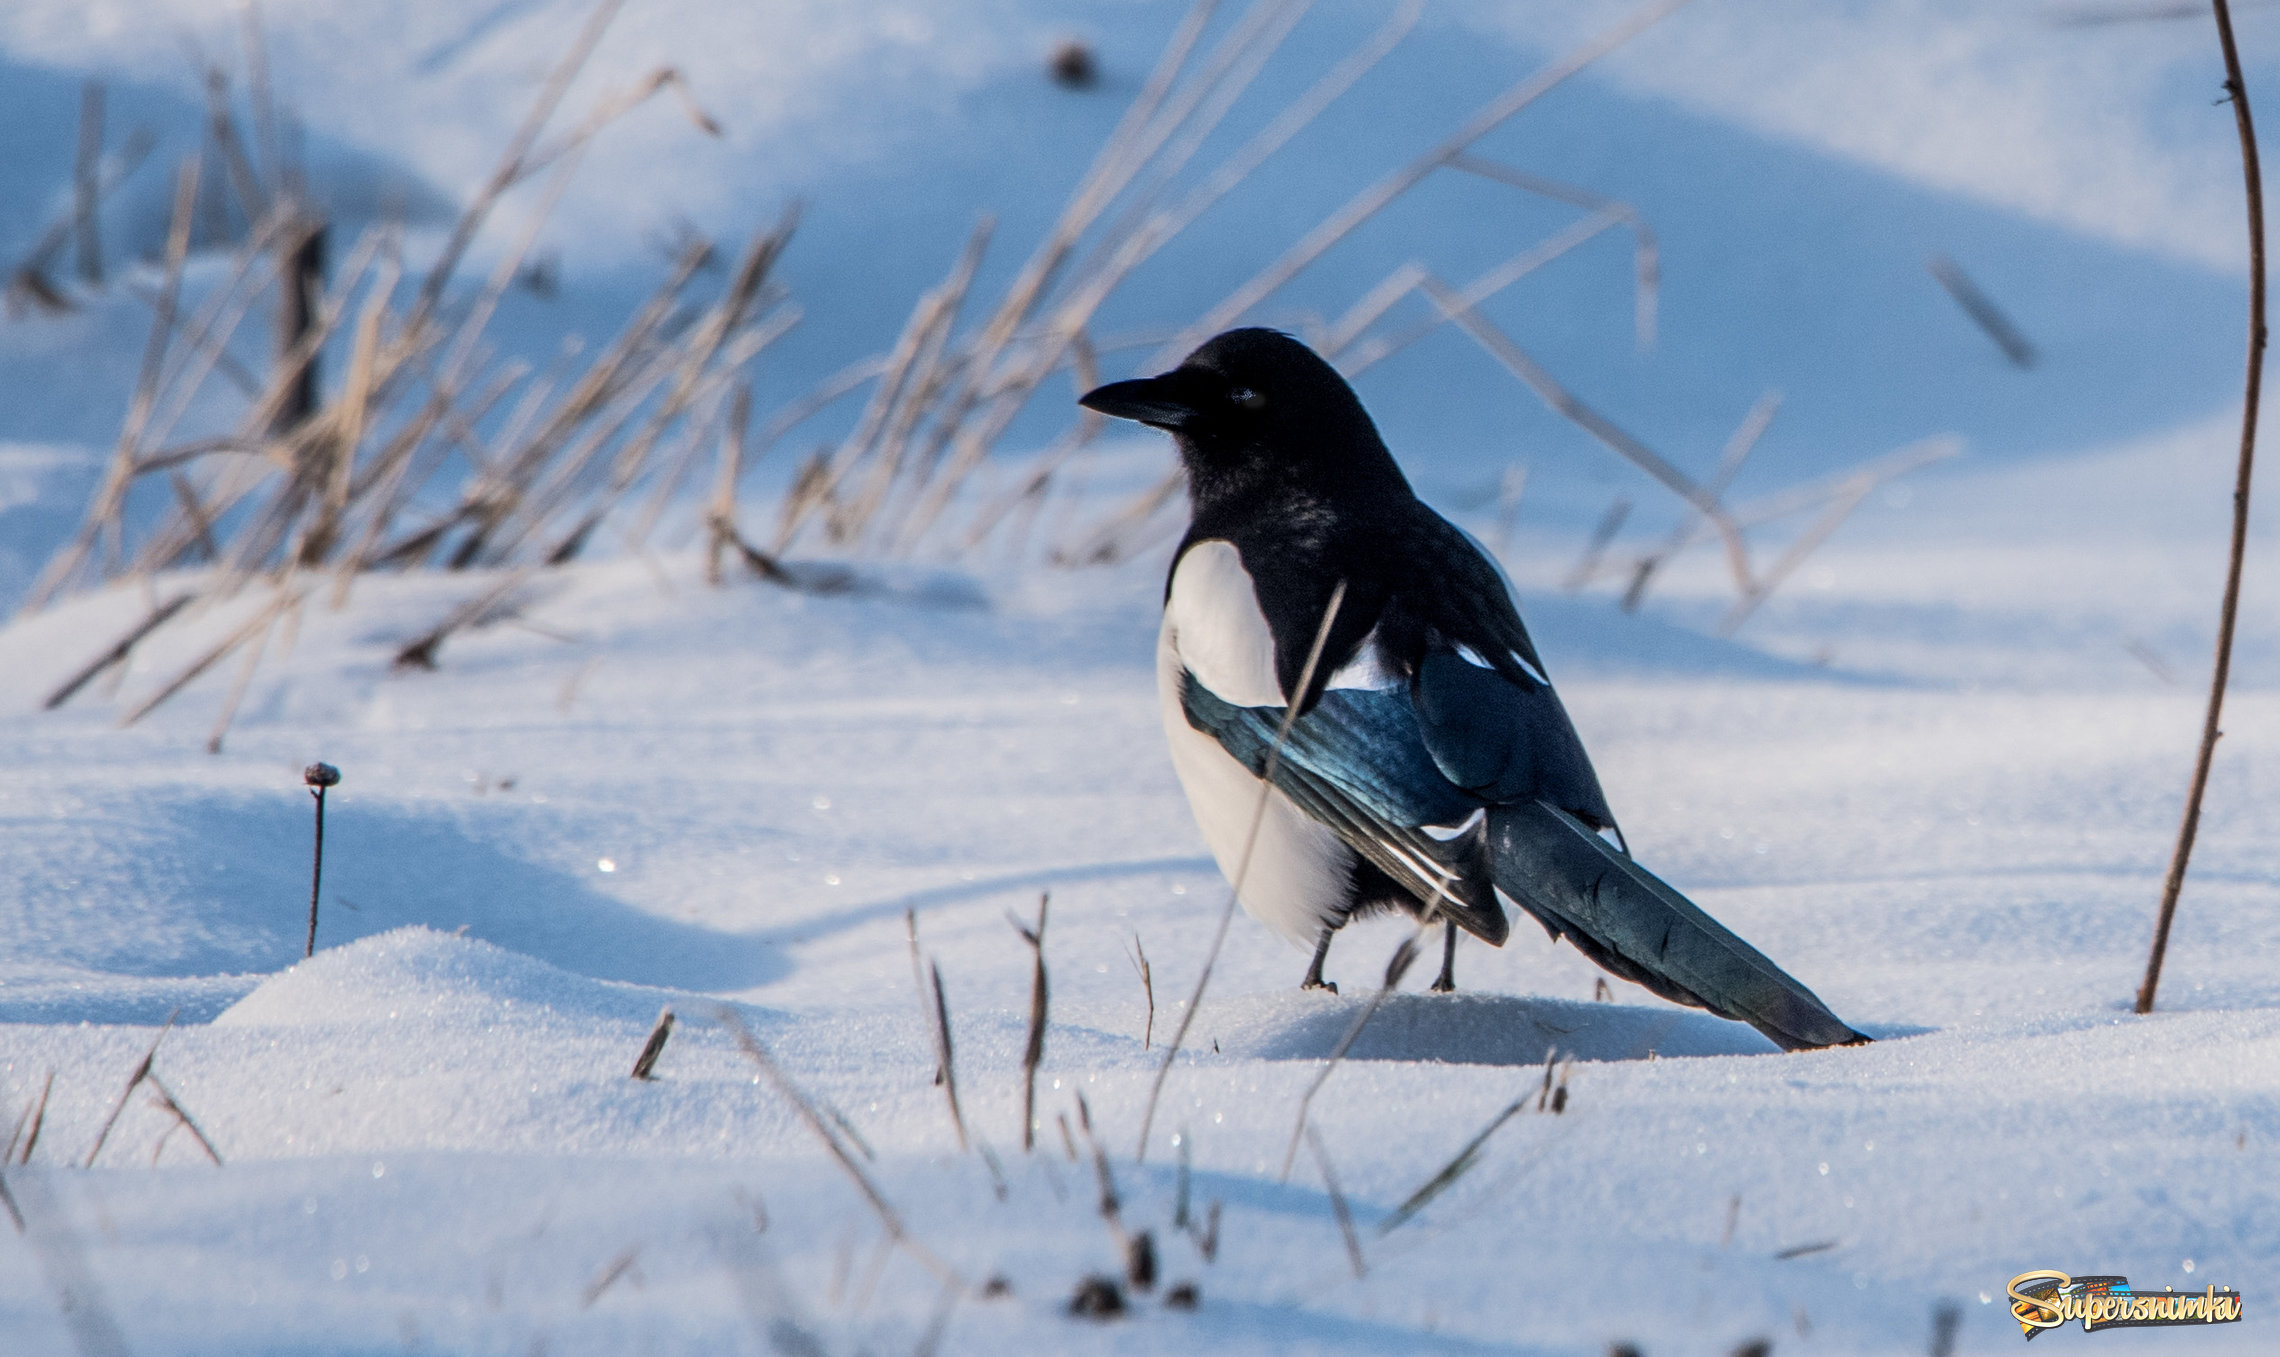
[[1247, 398]]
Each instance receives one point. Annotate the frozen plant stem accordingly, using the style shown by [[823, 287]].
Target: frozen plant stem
[[1033, 1054], [2237, 89], [318, 776], [645, 1064]]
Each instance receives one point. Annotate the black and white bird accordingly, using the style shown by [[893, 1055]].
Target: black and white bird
[[1431, 768]]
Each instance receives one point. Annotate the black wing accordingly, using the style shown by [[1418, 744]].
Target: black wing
[[1357, 762]]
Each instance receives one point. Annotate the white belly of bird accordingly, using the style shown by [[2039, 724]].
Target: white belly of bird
[[1298, 872]]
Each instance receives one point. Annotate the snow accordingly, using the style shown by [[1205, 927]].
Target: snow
[[1936, 778]]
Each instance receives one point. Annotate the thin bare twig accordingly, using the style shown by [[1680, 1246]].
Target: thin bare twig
[[2228, 613]]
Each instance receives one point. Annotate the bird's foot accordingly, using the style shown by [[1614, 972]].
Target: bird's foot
[[1330, 985], [1445, 985]]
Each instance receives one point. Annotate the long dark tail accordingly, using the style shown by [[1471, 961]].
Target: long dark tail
[[1621, 916]]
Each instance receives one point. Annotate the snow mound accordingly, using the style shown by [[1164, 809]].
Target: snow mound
[[1474, 1029], [421, 974]]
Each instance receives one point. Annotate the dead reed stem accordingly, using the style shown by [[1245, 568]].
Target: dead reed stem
[[949, 1056], [1148, 988], [889, 1219], [1338, 1207], [2228, 612], [1594, 550], [1242, 864], [645, 1064], [135, 1077], [120, 649], [511, 163], [86, 183], [1370, 201], [1458, 1166], [937, 1014], [39, 1119], [1982, 309], [120, 473], [1033, 1052], [1737, 451], [1396, 967], [182, 1117]]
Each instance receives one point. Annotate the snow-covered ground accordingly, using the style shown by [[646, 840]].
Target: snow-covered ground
[[1936, 778]]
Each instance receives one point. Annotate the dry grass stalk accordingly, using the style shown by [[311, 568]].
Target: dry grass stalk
[[1841, 502], [1982, 309], [1338, 1207], [1805, 1250], [1374, 199], [1182, 1184], [943, 400], [645, 1064], [1396, 966], [1242, 865], [135, 1078], [608, 1277], [889, 1219], [244, 681], [1412, 278], [306, 487], [262, 619], [2228, 611], [1595, 548], [1139, 956], [949, 1056], [1207, 1239], [1111, 1203], [1737, 451], [720, 515], [1509, 488], [1033, 1051], [1463, 1163], [33, 1114], [182, 1118], [937, 1014], [119, 651], [1451, 152], [29, 287], [110, 497], [39, 1119], [86, 184]]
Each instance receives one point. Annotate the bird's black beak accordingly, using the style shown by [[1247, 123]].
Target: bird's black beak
[[1155, 401]]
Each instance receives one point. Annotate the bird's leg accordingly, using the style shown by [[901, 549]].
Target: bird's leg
[[1447, 981], [1314, 978]]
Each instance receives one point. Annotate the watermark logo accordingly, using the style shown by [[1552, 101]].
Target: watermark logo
[[2045, 1299]]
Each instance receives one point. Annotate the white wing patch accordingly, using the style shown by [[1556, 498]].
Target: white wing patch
[[1300, 873], [1367, 668], [1214, 628]]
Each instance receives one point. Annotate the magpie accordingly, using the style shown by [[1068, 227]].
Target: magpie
[[1429, 767]]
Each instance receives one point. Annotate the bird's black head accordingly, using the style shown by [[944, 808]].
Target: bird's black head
[[1254, 408]]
